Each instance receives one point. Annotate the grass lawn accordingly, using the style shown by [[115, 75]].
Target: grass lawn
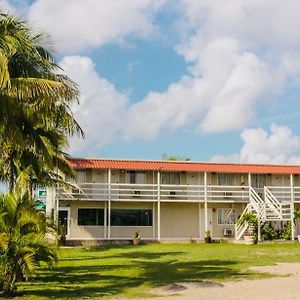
[[132, 271]]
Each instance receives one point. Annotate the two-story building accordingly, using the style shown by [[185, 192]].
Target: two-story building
[[171, 201]]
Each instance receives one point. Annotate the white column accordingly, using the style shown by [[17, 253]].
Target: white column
[[205, 203], [105, 219], [158, 205], [292, 207], [199, 219], [109, 202], [153, 220]]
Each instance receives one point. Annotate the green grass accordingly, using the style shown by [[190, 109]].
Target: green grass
[[132, 271]]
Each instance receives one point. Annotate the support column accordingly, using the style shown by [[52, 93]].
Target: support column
[[292, 207], [205, 204], [105, 220], [158, 205], [153, 220], [109, 203]]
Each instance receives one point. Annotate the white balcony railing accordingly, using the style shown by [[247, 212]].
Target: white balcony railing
[[150, 192], [221, 193]]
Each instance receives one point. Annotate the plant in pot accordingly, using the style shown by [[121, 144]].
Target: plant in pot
[[136, 239], [207, 237], [251, 236]]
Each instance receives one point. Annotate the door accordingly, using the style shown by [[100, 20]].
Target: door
[[63, 218], [209, 222]]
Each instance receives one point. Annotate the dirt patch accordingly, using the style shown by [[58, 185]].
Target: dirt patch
[[281, 287]]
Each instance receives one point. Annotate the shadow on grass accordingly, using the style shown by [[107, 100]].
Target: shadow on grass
[[138, 268]]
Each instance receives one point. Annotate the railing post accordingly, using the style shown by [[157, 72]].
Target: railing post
[[158, 205], [292, 207], [205, 204], [109, 203]]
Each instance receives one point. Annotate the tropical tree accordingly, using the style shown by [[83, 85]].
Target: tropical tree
[[22, 237], [35, 106]]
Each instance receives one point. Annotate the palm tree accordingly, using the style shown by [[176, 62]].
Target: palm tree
[[22, 237], [35, 100]]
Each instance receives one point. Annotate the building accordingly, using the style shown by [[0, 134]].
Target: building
[[172, 201]]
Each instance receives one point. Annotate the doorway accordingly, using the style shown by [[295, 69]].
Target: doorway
[[64, 219]]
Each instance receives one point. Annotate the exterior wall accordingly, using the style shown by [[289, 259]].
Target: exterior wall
[[218, 230], [84, 232], [128, 231], [179, 220]]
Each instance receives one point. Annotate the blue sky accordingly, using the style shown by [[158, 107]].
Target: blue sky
[[205, 79]]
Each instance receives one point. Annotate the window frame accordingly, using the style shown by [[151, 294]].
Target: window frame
[[169, 176], [227, 224], [99, 208], [149, 209], [226, 176]]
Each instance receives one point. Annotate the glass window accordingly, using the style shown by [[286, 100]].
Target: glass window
[[90, 216], [136, 177], [226, 216], [258, 180], [131, 217], [170, 178], [226, 179]]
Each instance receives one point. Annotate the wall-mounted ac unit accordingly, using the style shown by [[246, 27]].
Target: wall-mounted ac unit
[[228, 232]]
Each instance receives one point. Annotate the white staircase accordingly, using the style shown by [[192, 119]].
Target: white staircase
[[255, 206], [266, 209], [276, 210]]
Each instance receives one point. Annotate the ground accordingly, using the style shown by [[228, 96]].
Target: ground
[[154, 270]]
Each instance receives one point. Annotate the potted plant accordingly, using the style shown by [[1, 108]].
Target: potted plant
[[207, 237], [136, 239], [251, 236]]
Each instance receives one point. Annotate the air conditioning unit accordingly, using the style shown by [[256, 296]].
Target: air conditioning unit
[[228, 232], [136, 193]]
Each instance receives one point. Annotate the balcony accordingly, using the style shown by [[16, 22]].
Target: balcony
[[153, 192]]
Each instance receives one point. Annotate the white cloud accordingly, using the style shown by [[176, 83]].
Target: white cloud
[[81, 25], [259, 146], [219, 95], [102, 107], [6, 7]]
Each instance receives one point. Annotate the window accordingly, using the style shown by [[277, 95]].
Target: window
[[80, 176], [258, 180], [225, 179], [90, 216], [170, 178], [226, 216], [136, 177], [131, 217]]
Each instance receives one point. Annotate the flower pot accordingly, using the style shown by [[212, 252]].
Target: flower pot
[[207, 240], [136, 241]]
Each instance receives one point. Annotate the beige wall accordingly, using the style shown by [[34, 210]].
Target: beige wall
[[217, 230], [179, 220], [84, 232], [128, 231]]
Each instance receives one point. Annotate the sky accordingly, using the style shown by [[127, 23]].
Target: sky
[[209, 80]]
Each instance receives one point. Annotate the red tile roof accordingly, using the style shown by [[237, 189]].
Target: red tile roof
[[187, 166]]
